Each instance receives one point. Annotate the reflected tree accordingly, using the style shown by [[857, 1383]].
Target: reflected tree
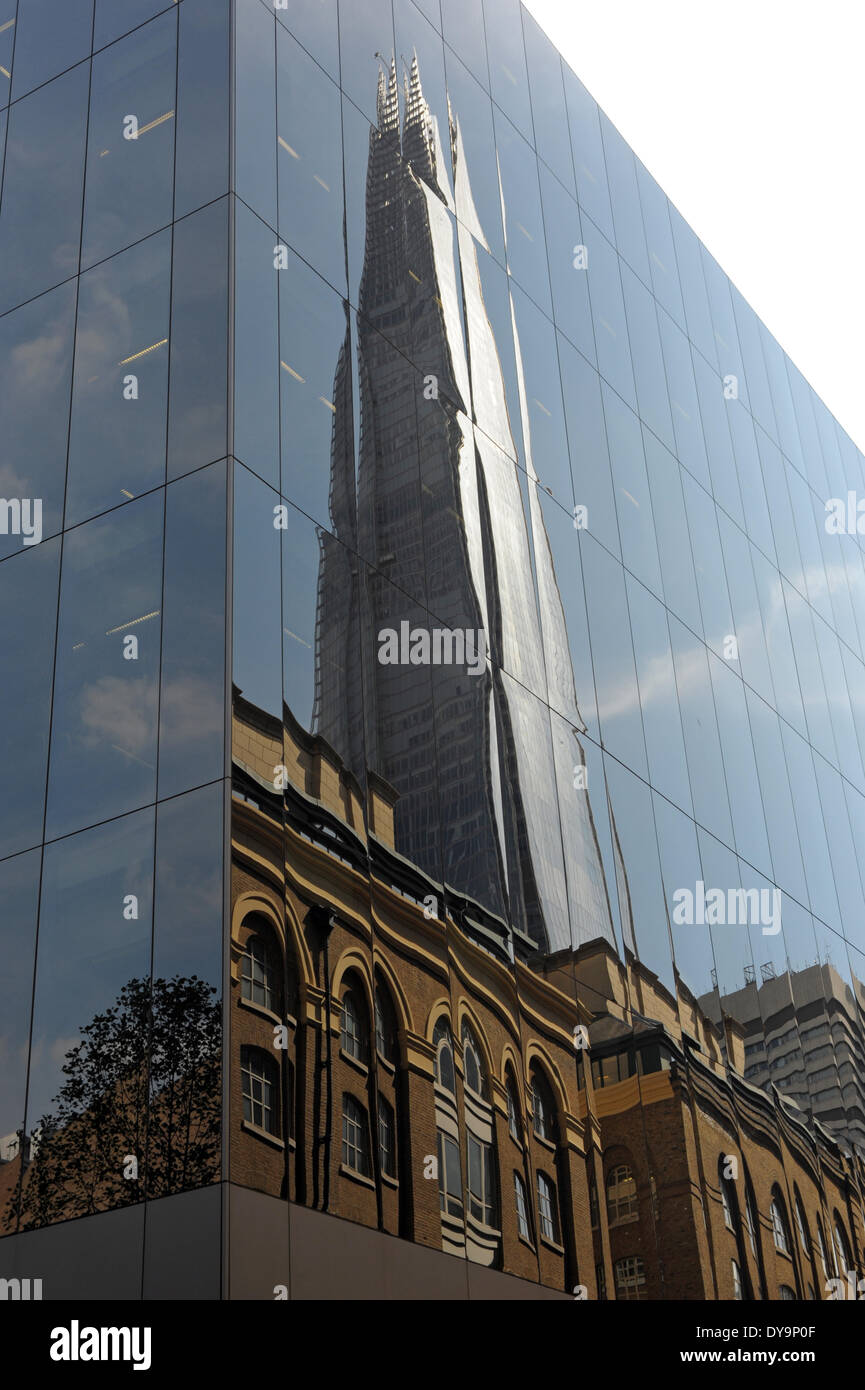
[[138, 1114]]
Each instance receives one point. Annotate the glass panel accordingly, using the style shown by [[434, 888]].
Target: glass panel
[[543, 417], [703, 746], [568, 271], [316, 387], [777, 799], [256, 349], [588, 152], [7, 45], [687, 423], [19, 891], [365, 30], [463, 28], [708, 564], [255, 108], [724, 324], [612, 657], [646, 357], [103, 738], [549, 113], [477, 193], [28, 607], [659, 702], [35, 380], [673, 537], [257, 623], [608, 314], [50, 36], [199, 341], [737, 750], [87, 1092], [185, 1080], [716, 432], [117, 17], [633, 502], [192, 702], [203, 83], [508, 79], [638, 873], [313, 23], [524, 223], [117, 431], [698, 315], [130, 166], [659, 240], [590, 460], [625, 200], [40, 217], [755, 368], [309, 160]]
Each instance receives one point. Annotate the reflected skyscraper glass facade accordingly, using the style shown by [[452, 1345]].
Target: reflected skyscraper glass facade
[[435, 713]]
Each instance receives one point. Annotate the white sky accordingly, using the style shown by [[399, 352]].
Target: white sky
[[751, 116]]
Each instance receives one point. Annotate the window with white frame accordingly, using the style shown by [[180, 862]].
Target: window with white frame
[[548, 1208], [481, 1184], [355, 1136], [257, 975], [522, 1207], [445, 1074], [260, 1086], [450, 1175], [386, 1137], [353, 1032]]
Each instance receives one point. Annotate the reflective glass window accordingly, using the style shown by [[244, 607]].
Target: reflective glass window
[[130, 166], [716, 433], [759, 396], [463, 28], [698, 316], [633, 501], [506, 53], [28, 606], [316, 391], [608, 314], [587, 438], [50, 36], [638, 873], [524, 223], [117, 431], [192, 699], [668, 769], [255, 108], [549, 113], [203, 84], [777, 799], [702, 744], [612, 657], [309, 161], [724, 324], [314, 24], [199, 340], [91, 1021], [672, 532], [708, 565], [256, 354], [117, 17], [588, 152], [625, 200], [40, 215], [19, 887], [477, 194], [365, 30], [737, 750], [659, 240], [569, 279], [35, 380], [646, 357], [103, 743], [684, 407]]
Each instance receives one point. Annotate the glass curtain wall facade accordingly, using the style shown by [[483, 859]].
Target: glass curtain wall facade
[[114, 306], [400, 445]]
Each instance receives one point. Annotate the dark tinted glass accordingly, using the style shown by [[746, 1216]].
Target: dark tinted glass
[[28, 606], [50, 36], [40, 216]]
